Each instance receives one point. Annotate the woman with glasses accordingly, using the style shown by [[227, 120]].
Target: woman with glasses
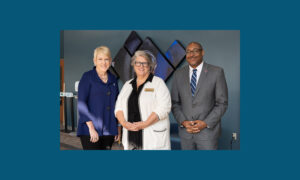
[[97, 94], [143, 107]]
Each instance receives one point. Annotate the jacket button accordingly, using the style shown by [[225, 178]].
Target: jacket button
[[108, 108], [108, 93]]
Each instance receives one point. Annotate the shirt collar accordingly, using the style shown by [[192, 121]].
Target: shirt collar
[[150, 77]]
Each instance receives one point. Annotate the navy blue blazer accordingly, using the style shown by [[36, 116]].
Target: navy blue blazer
[[96, 103]]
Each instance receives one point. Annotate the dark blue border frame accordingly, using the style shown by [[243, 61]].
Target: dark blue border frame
[[269, 85]]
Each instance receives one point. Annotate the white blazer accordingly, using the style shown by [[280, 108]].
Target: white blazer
[[154, 97]]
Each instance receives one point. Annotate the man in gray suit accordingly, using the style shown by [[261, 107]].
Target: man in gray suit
[[199, 100]]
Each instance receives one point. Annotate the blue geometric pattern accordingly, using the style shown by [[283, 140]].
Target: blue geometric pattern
[[176, 53], [166, 63], [164, 68], [132, 43], [121, 64]]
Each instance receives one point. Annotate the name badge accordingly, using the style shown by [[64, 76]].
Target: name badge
[[149, 89]]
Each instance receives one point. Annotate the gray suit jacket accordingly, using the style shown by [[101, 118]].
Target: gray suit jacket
[[209, 103]]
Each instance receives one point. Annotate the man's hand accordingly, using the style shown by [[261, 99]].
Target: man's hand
[[188, 126], [198, 126], [194, 126]]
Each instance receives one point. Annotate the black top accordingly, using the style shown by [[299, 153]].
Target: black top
[[135, 138]]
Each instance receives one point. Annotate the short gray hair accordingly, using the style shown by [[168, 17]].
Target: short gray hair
[[148, 56]]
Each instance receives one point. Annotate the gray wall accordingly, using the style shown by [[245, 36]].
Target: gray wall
[[222, 48]]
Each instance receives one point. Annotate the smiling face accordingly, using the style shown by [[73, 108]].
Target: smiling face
[[141, 66], [194, 54], [102, 62]]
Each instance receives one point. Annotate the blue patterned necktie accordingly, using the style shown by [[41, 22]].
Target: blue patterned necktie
[[193, 81]]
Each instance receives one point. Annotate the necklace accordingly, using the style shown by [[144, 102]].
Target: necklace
[[103, 77]]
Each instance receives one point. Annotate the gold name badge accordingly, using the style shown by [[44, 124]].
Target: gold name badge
[[149, 89]]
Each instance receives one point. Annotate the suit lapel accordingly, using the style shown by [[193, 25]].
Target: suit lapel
[[202, 78], [186, 80]]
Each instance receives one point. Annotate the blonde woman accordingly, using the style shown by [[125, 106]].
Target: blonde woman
[[97, 94]]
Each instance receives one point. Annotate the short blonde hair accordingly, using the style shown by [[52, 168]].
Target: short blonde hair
[[102, 49], [148, 56]]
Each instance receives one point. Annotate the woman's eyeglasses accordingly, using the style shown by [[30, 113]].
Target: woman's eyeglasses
[[138, 64]]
